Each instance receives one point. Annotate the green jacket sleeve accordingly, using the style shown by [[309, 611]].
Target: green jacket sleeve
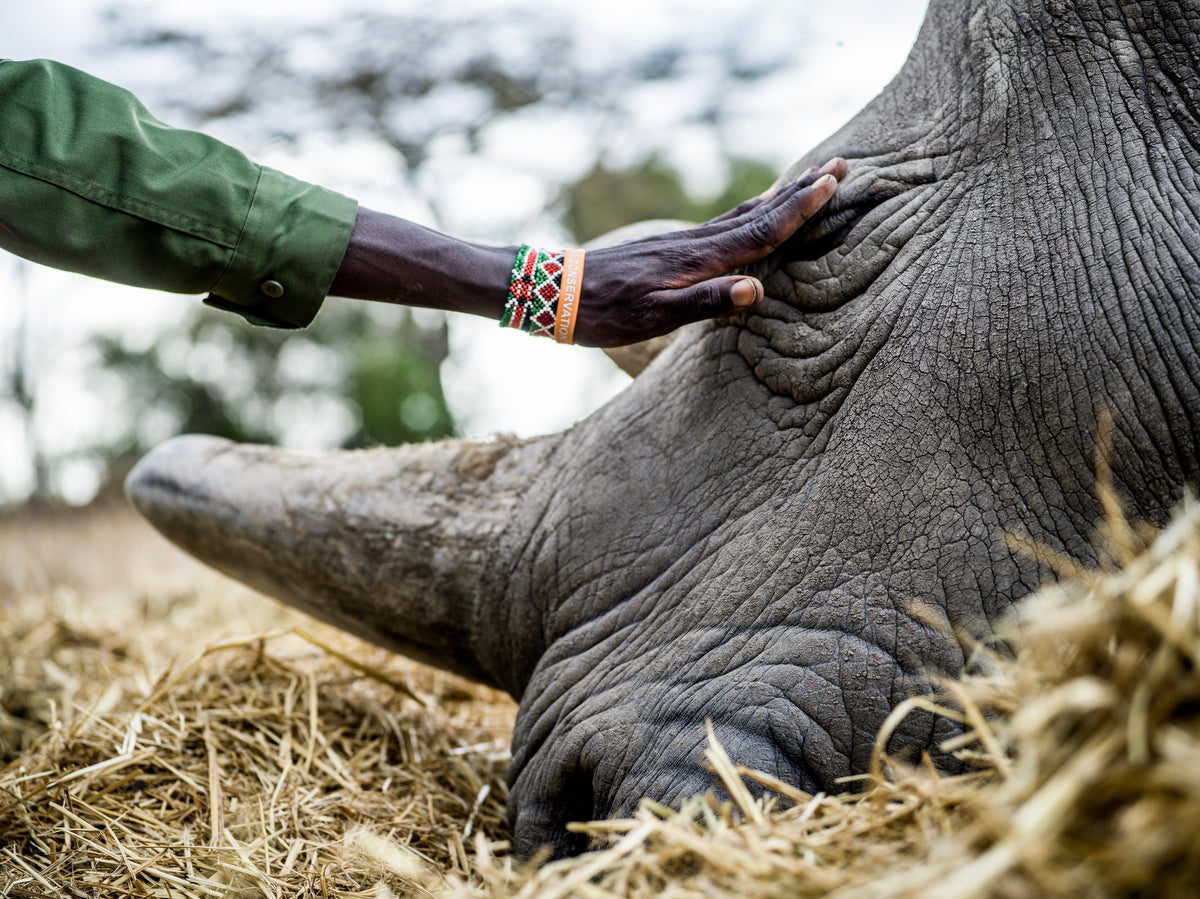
[[91, 182]]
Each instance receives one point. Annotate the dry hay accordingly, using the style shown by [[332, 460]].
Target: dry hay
[[332, 782], [249, 767], [147, 755]]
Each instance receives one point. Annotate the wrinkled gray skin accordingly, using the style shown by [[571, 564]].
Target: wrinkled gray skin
[[738, 535]]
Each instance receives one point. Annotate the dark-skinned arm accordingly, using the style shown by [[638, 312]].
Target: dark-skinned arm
[[631, 292], [91, 182]]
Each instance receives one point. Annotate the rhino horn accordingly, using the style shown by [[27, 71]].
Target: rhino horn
[[388, 544]]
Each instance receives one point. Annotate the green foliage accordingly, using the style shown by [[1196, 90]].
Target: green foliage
[[395, 387], [747, 178], [605, 199]]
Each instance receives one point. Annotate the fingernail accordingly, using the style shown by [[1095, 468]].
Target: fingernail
[[807, 171], [744, 293], [824, 180]]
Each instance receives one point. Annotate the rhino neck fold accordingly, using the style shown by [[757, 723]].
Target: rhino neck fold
[[390, 544], [1017, 137]]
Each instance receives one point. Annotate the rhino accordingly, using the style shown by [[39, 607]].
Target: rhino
[[792, 519]]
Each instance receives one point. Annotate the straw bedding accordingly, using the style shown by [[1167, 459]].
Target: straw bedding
[[196, 742]]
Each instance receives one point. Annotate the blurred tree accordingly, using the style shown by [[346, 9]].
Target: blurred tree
[[446, 76], [747, 178], [366, 377], [395, 388], [605, 199], [19, 386], [446, 83]]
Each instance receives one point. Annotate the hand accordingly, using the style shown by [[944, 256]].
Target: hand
[[644, 288], [631, 292]]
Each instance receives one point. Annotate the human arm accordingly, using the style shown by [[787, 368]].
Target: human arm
[[631, 292], [91, 182]]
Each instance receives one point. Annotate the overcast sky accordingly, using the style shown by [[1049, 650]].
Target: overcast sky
[[848, 51]]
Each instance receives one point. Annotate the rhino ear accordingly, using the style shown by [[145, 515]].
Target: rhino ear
[[388, 544], [634, 358]]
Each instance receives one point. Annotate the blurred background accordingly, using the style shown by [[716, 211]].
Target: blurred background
[[494, 121]]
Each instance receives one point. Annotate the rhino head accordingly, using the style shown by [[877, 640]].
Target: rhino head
[[742, 534]]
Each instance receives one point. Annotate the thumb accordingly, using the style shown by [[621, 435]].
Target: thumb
[[716, 296]]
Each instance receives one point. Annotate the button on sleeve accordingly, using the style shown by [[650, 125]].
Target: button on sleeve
[[288, 252]]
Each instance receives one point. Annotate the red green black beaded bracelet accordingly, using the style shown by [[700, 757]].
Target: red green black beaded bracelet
[[541, 301]]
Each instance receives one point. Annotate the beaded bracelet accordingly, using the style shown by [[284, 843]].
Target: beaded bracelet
[[543, 293]]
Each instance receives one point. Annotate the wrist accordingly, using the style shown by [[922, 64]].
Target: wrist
[[543, 296], [479, 276], [396, 261]]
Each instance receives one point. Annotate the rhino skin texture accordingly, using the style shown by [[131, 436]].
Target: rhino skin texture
[[742, 533]]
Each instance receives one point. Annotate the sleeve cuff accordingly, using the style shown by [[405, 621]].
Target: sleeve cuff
[[289, 250]]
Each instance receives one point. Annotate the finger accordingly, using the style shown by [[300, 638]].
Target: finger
[[759, 235], [714, 251], [741, 209], [708, 299], [836, 167], [774, 189], [807, 177]]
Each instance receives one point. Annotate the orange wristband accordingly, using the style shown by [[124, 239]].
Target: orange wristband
[[568, 298]]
